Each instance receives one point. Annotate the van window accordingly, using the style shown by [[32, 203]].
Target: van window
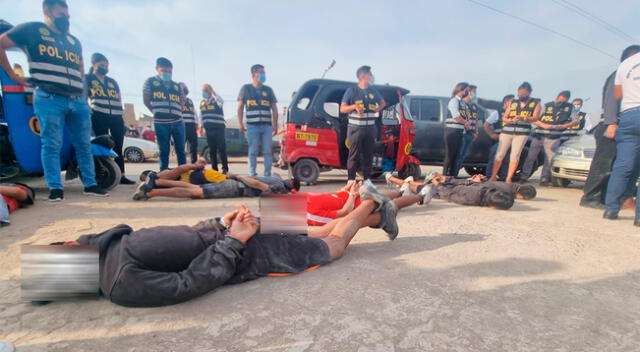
[[425, 109], [305, 96]]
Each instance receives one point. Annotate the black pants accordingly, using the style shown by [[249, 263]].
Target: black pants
[[191, 139], [452, 145], [361, 143], [217, 145], [113, 125], [595, 189]]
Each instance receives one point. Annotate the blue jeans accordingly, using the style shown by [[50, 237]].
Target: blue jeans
[[625, 167], [54, 113], [467, 141], [492, 157], [164, 133], [259, 138]]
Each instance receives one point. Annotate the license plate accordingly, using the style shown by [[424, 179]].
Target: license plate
[[310, 137]]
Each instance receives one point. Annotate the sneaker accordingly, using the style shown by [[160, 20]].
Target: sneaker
[[405, 189], [150, 182], [370, 193], [141, 192], [426, 194], [369, 183], [95, 191], [429, 177], [126, 181], [56, 195], [408, 179], [389, 223], [387, 177]]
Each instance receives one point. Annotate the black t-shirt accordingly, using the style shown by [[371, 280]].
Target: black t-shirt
[[276, 186]]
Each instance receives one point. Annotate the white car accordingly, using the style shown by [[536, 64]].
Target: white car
[[137, 150]]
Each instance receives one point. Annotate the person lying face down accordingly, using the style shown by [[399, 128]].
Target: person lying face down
[[323, 208], [167, 265], [233, 186], [191, 173]]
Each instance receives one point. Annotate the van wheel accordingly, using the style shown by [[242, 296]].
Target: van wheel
[[560, 182], [410, 170], [133, 155], [306, 170]]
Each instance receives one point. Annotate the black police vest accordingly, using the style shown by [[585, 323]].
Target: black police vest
[[554, 115], [370, 105], [104, 97], [573, 131], [472, 115], [55, 62], [525, 111], [212, 113], [257, 105], [189, 111], [496, 127], [450, 122], [166, 101]]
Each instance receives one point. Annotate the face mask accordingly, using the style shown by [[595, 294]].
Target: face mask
[[524, 97], [206, 95], [62, 23], [262, 78], [577, 107], [102, 71], [474, 97], [166, 76], [185, 91]]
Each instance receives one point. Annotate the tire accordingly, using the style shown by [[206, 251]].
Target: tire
[[410, 170], [475, 170], [108, 173], [206, 155], [134, 155], [560, 182], [306, 170]]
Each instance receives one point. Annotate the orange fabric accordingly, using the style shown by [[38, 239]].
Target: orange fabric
[[291, 274]]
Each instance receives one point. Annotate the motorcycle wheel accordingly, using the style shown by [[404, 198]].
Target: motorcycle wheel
[[108, 173]]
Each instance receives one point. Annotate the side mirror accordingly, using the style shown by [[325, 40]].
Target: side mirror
[[332, 109]]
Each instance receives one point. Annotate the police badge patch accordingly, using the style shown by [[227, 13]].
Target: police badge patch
[[44, 31], [71, 40], [156, 83], [264, 94], [111, 85]]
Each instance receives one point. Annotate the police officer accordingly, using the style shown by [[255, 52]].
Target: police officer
[[581, 117], [363, 103], [163, 97], [190, 123], [493, 128], [557, 116], [56, 68], [516, 128], [106, 107], [471, 100], [260, 104], [211, 110], [455, 127]]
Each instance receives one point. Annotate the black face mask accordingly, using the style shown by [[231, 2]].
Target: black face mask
[[102, 71], [62, 23]]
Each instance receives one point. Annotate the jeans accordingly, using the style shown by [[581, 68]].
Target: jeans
[[492, 155], [259, 138], [625, 167], [114, 125], [467, 141], [539, 144], [54, 113], [216, 140], [595, 189], [361, 141], [165, 132], [452, 143], [191, 136]]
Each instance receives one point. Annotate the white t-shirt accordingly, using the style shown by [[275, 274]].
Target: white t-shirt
[[628, 76]]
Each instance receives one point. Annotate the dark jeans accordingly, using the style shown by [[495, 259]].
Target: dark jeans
[[113, 125], [217, 145], [165, 132], [625, 167], [452, 144], [464, 151], [595, 188], [361, 143], [192, 140]]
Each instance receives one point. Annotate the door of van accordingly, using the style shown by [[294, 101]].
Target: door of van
[[429, 122]]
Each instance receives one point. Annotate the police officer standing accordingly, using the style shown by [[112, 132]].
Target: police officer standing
[[363, 103], [260, 104], [493, 128], [105, 102], [163, 97], [211, 110], [472, 133], [190, 123], [574, 130], [56, 68], [456, 125], [558, 115]]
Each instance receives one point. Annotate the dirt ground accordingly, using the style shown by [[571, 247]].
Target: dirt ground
[[547, 275]]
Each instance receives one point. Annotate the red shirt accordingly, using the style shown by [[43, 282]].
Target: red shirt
[[322, 208]]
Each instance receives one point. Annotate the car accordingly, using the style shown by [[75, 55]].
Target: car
[[573, 160], [237, 144], [138, 150]]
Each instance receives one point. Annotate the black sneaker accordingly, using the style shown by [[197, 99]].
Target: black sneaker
[[95, 191], [56, 195], [150, 182], [126, 181]]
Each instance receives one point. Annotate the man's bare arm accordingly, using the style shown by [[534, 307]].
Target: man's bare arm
[[6, 43]]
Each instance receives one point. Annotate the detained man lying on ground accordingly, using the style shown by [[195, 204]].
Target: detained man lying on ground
[[12, 197], [191, 173], [233, 186], [323, 208], [171, 264], [463, 192]]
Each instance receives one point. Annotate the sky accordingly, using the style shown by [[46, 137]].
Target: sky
[[425, 46]]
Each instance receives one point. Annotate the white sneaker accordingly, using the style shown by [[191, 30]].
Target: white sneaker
[[387, 177], [426, 194], [405, 189], [408, 179], [369, 183]]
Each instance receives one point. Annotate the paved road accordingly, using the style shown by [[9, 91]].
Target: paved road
[[545, 276]]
